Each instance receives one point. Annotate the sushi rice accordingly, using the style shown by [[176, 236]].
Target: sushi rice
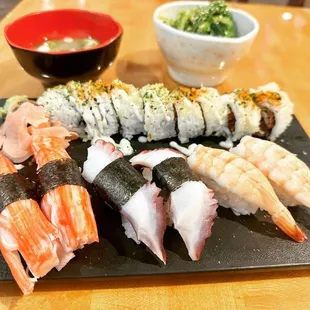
[[189, 115], [159, 112], [246, 112], [128, 105], [277, 101], [215, 111], [59, 107]]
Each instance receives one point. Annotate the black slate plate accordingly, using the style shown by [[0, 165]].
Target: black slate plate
[[245, 242]]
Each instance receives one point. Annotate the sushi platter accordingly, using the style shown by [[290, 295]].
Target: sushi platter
[[121, 204]]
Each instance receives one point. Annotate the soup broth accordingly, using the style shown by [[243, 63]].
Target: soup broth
[[67, 44]]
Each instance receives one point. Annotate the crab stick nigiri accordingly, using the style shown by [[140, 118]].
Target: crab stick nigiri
[[66, 202], [191, 206], [125, 188], [239, 185], [24, 230], [289, 176]]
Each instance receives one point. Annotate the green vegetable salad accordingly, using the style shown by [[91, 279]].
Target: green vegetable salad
[[214, 19]]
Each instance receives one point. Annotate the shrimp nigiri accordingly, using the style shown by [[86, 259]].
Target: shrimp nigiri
[[66, 202], [289, 176], [191, 206], [239, 185], [123, 187], [24, 230]]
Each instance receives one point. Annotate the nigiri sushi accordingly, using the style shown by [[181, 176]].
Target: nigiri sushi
[[125, 189], [239, 185], [191, 207], [288, 175], [65, 200], [24, 230]]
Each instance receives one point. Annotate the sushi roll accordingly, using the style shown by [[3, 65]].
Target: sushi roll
[[24, 230], [215, 111], [191, 207], [58, 107], [159, 118], [190, 120], [244, 115], [128, 105], [65, 200], [102, 108], [79, 99], [125, 189], [242, 187], [276, 110], [288, 175]]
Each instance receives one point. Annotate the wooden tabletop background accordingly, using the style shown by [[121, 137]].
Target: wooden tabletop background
[[281, 53]]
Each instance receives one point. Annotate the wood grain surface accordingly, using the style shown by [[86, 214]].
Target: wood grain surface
[[281, 53]]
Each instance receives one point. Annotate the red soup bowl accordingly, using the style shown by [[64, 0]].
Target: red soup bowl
[[58, 67]]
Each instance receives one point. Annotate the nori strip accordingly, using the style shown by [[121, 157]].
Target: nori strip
[[118, 182], [13, 187], [171, 173], [57, 173]]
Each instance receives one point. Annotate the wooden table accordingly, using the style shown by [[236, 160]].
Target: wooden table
[[280, 53]]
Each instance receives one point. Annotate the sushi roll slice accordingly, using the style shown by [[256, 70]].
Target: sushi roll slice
[[65, 200], [58, 107], [190, 120], [215, 111], [191, 207], [102, 108], [159, 117], [244, 115], [79, 99], [242, 187], [24, 230], [128, 105], [276, 109], [288, 175], [125, 189]]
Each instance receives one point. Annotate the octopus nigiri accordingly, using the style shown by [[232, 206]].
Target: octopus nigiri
[[65, 200], [289, 176], [239, 185], [191, 206], [125, 189], [24, 230]]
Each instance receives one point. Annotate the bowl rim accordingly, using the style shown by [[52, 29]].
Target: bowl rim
[[97, 47], [199, 37]]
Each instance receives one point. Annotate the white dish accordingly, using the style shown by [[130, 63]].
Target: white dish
[[195, 59]]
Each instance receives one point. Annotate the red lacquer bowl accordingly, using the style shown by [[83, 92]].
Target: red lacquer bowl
[[59, 67]]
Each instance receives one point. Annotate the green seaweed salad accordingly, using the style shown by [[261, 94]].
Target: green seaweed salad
[[214, 19]]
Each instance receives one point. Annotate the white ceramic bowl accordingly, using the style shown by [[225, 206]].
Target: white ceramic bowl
[[195, 59]]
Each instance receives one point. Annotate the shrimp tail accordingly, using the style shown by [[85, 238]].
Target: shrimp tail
[[287, 224]]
